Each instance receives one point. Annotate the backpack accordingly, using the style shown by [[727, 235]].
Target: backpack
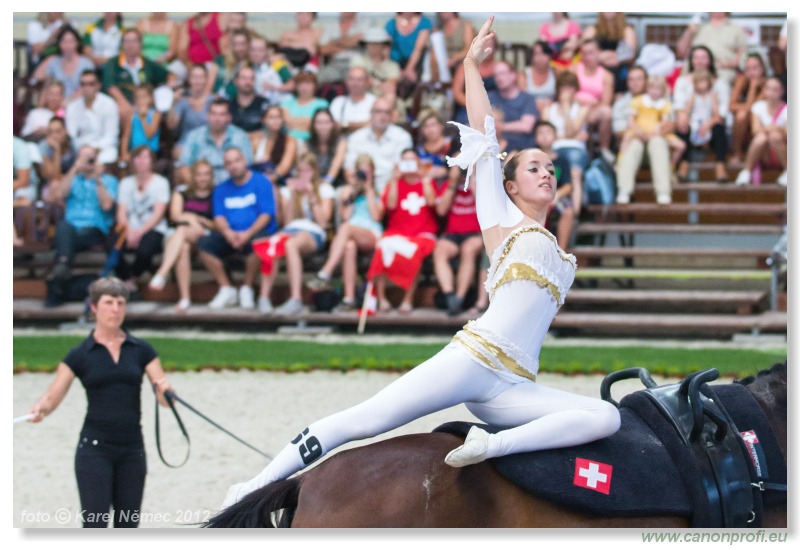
[[599, 183]]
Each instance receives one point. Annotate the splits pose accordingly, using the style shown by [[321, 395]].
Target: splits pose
[[491, 364]]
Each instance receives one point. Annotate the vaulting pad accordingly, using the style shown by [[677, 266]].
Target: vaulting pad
[[627, 474]]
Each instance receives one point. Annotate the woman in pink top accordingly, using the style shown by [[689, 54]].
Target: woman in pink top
[[596, 92], [563, 36], [200, 38]]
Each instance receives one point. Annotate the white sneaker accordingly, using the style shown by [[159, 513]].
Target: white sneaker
[[264, 305], [290, 308], [783, 179], [183, 305], [664, 199], [623, 198], [608, 155], [226, 297], [158, 282], [472, 451], [247, 299], [743, 178]]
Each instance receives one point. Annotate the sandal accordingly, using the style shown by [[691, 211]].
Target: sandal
[[183, 306]]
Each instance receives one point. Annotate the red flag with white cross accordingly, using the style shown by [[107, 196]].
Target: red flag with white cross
[[593, 475], [270, 248]]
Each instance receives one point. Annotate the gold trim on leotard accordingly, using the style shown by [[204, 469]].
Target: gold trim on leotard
[[524, 272], [509, 363], [531, 229]]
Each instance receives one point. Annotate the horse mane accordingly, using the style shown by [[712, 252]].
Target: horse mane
[[778, 369]]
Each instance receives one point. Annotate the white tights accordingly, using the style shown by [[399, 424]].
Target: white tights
[[543, 418]]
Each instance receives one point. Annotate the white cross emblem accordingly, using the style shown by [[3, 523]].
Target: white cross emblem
[[413, 203], [396, 244], [592, 475]]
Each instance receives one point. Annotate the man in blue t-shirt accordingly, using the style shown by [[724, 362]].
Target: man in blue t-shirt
[[244, 209], [518, 107]]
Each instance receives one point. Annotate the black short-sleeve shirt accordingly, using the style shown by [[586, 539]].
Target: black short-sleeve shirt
[[113, 390], [249, 118]]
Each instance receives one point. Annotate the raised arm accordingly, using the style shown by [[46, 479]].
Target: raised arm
[[478, 107]]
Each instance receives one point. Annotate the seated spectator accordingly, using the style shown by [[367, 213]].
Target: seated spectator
[[231, 23], [650, 116], [340, 44], [352, 111], [702, 121], [89, 196], [121, 74], [307, 206], [461, 240], [381, 140], [563, 36], [768, 146], [274, 79], [569, 117], [617, 42], [539, 79], [141, 210], [383, 72], [144, 127], [210, 143], [274, 150], [596, 91], [224, 70], [458, 36], [67, 65], [301, 45], [747, 89], [726, 41], [409, 32], [191, 211], [247, 108], [24, 188], [160, 36], [562, 212], [41, 34], [408, 200], [58, 152], [701, 59], [636, 85], [199, 39], [93, 119], [518, 107], [360, 211], [433, 146], [244, 210], [328, 145], [486, 69], [190, 112], [298, 109], [52, 105], [102, 39]]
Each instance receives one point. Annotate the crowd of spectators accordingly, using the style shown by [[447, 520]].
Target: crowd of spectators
[[204, 138]]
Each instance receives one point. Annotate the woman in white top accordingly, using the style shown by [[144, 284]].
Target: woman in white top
[[539, 79], [307, 206], [142, 208], [769, 119], [491, 364], [569, 117]]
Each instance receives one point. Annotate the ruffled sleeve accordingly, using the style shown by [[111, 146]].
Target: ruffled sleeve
[[481, 153]]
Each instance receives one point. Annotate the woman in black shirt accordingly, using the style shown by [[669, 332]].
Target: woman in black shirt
[[110, 463]]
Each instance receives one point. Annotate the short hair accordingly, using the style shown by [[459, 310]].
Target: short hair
[[220, 101], [543, 124], [544, 46], [409, 150], [700, 75], [305, 76], [198, 66], [639, 68], [139, 149], [659, 81], [132, 30], [107, 286], [567, 78], [58, 84], [90, 72]]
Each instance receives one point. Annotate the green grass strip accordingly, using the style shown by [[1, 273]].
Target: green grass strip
[[42, 354]]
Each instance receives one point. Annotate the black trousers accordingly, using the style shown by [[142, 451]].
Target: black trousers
[[718, 143], [70, 240], [110, 476], [152, 243]]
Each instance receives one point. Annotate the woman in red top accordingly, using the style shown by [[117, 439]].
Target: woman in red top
[[408, 200], [200, 38]]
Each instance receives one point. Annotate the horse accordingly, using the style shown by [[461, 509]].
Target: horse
[[404, 482]]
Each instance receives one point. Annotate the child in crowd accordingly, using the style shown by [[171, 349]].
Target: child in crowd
[[703, 108], [144, 126], [649, 114]]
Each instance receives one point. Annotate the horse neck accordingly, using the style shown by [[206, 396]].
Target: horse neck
[[770, 391]]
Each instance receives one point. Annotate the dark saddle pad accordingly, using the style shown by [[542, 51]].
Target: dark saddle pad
[[627, 474]]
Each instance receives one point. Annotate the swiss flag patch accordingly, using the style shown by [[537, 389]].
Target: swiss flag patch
[[592, 475]]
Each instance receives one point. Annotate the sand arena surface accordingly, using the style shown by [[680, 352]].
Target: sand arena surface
[[265, 409]]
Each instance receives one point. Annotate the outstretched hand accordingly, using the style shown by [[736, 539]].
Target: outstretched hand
[[481, 47]]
